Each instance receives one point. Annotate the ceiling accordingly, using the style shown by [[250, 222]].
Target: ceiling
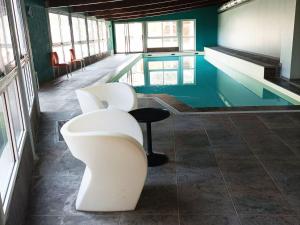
[[130, 9]]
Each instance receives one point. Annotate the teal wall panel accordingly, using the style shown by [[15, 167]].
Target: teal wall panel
[[39, 38], [206, 24]]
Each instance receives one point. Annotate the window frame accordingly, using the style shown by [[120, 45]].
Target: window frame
[[94, 40], [162, 37], [195, 34], [128, 37], [103, 36], [80, 42], [62, 44]]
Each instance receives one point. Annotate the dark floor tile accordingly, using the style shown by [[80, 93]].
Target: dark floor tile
[[248, 124], [187, 122], [269, 146], [290, 136], [203, 196], [270, 220], [276, 120], [91, 220], [262, 202], [223, 137], [215, 122], [44, 220], [149, 220], [159, 196], [234, 152], [209, 220], [190, 139], [286, 174], [64, 164], [190, 161], [50, 194]]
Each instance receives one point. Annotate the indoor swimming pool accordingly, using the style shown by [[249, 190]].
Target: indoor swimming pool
[[201, 83]]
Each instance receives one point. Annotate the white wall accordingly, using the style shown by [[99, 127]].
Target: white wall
[[254, 26], [261, 26]]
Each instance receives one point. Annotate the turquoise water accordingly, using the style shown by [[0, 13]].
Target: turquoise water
[[196, 82]]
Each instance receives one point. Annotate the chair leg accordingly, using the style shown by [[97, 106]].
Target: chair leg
[[67, 71], [70, 71]]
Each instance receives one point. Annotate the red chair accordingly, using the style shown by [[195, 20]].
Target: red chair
[[56, 65], [75, 61]]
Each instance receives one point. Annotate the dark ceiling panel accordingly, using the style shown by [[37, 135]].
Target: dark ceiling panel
[[127, 9], [137, 9]]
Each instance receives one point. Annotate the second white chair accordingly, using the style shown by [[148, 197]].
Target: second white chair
[[108, 95]]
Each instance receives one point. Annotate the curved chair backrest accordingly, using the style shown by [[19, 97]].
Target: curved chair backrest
[[109, 142], [54, 58], [72, 54], [109, 95]]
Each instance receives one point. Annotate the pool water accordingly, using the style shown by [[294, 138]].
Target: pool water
[[198, 83]]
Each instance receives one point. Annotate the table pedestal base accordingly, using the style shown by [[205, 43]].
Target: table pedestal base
[[156, 159]]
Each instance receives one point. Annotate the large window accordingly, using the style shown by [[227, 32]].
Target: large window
[[93, 37], [80, 37], [103, 35], [188, 35], [129, 37], [61, 36], [12, 128], [162, 34]]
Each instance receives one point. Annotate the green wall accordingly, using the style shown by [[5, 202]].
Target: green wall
[[206, 24], [39, 38]]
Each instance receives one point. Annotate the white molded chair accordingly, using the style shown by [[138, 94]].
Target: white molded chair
[[110, 143], [108, 95]]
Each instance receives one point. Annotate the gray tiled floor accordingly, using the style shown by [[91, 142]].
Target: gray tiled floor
[[223, 169]]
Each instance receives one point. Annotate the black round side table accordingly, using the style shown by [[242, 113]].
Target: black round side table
[[148, 116]]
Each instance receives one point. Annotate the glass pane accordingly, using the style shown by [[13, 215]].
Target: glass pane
[[6, 52], [170, 77], [7, 160], [82, 29], [15, 111], [20, 27], [65, 29], [54, 27], [170, 28], [92, 48], [156, 78], [154, 29], [75, 26], [154, 43], [120, 37], [60, 53], [85, 52], [77, 49], [90, 30], [124, 78], [170, 42], [188, 62], [188, 28], [67, 53], [136, 37], [188, 76], [170, 64], [155, 65], [188, 43]]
